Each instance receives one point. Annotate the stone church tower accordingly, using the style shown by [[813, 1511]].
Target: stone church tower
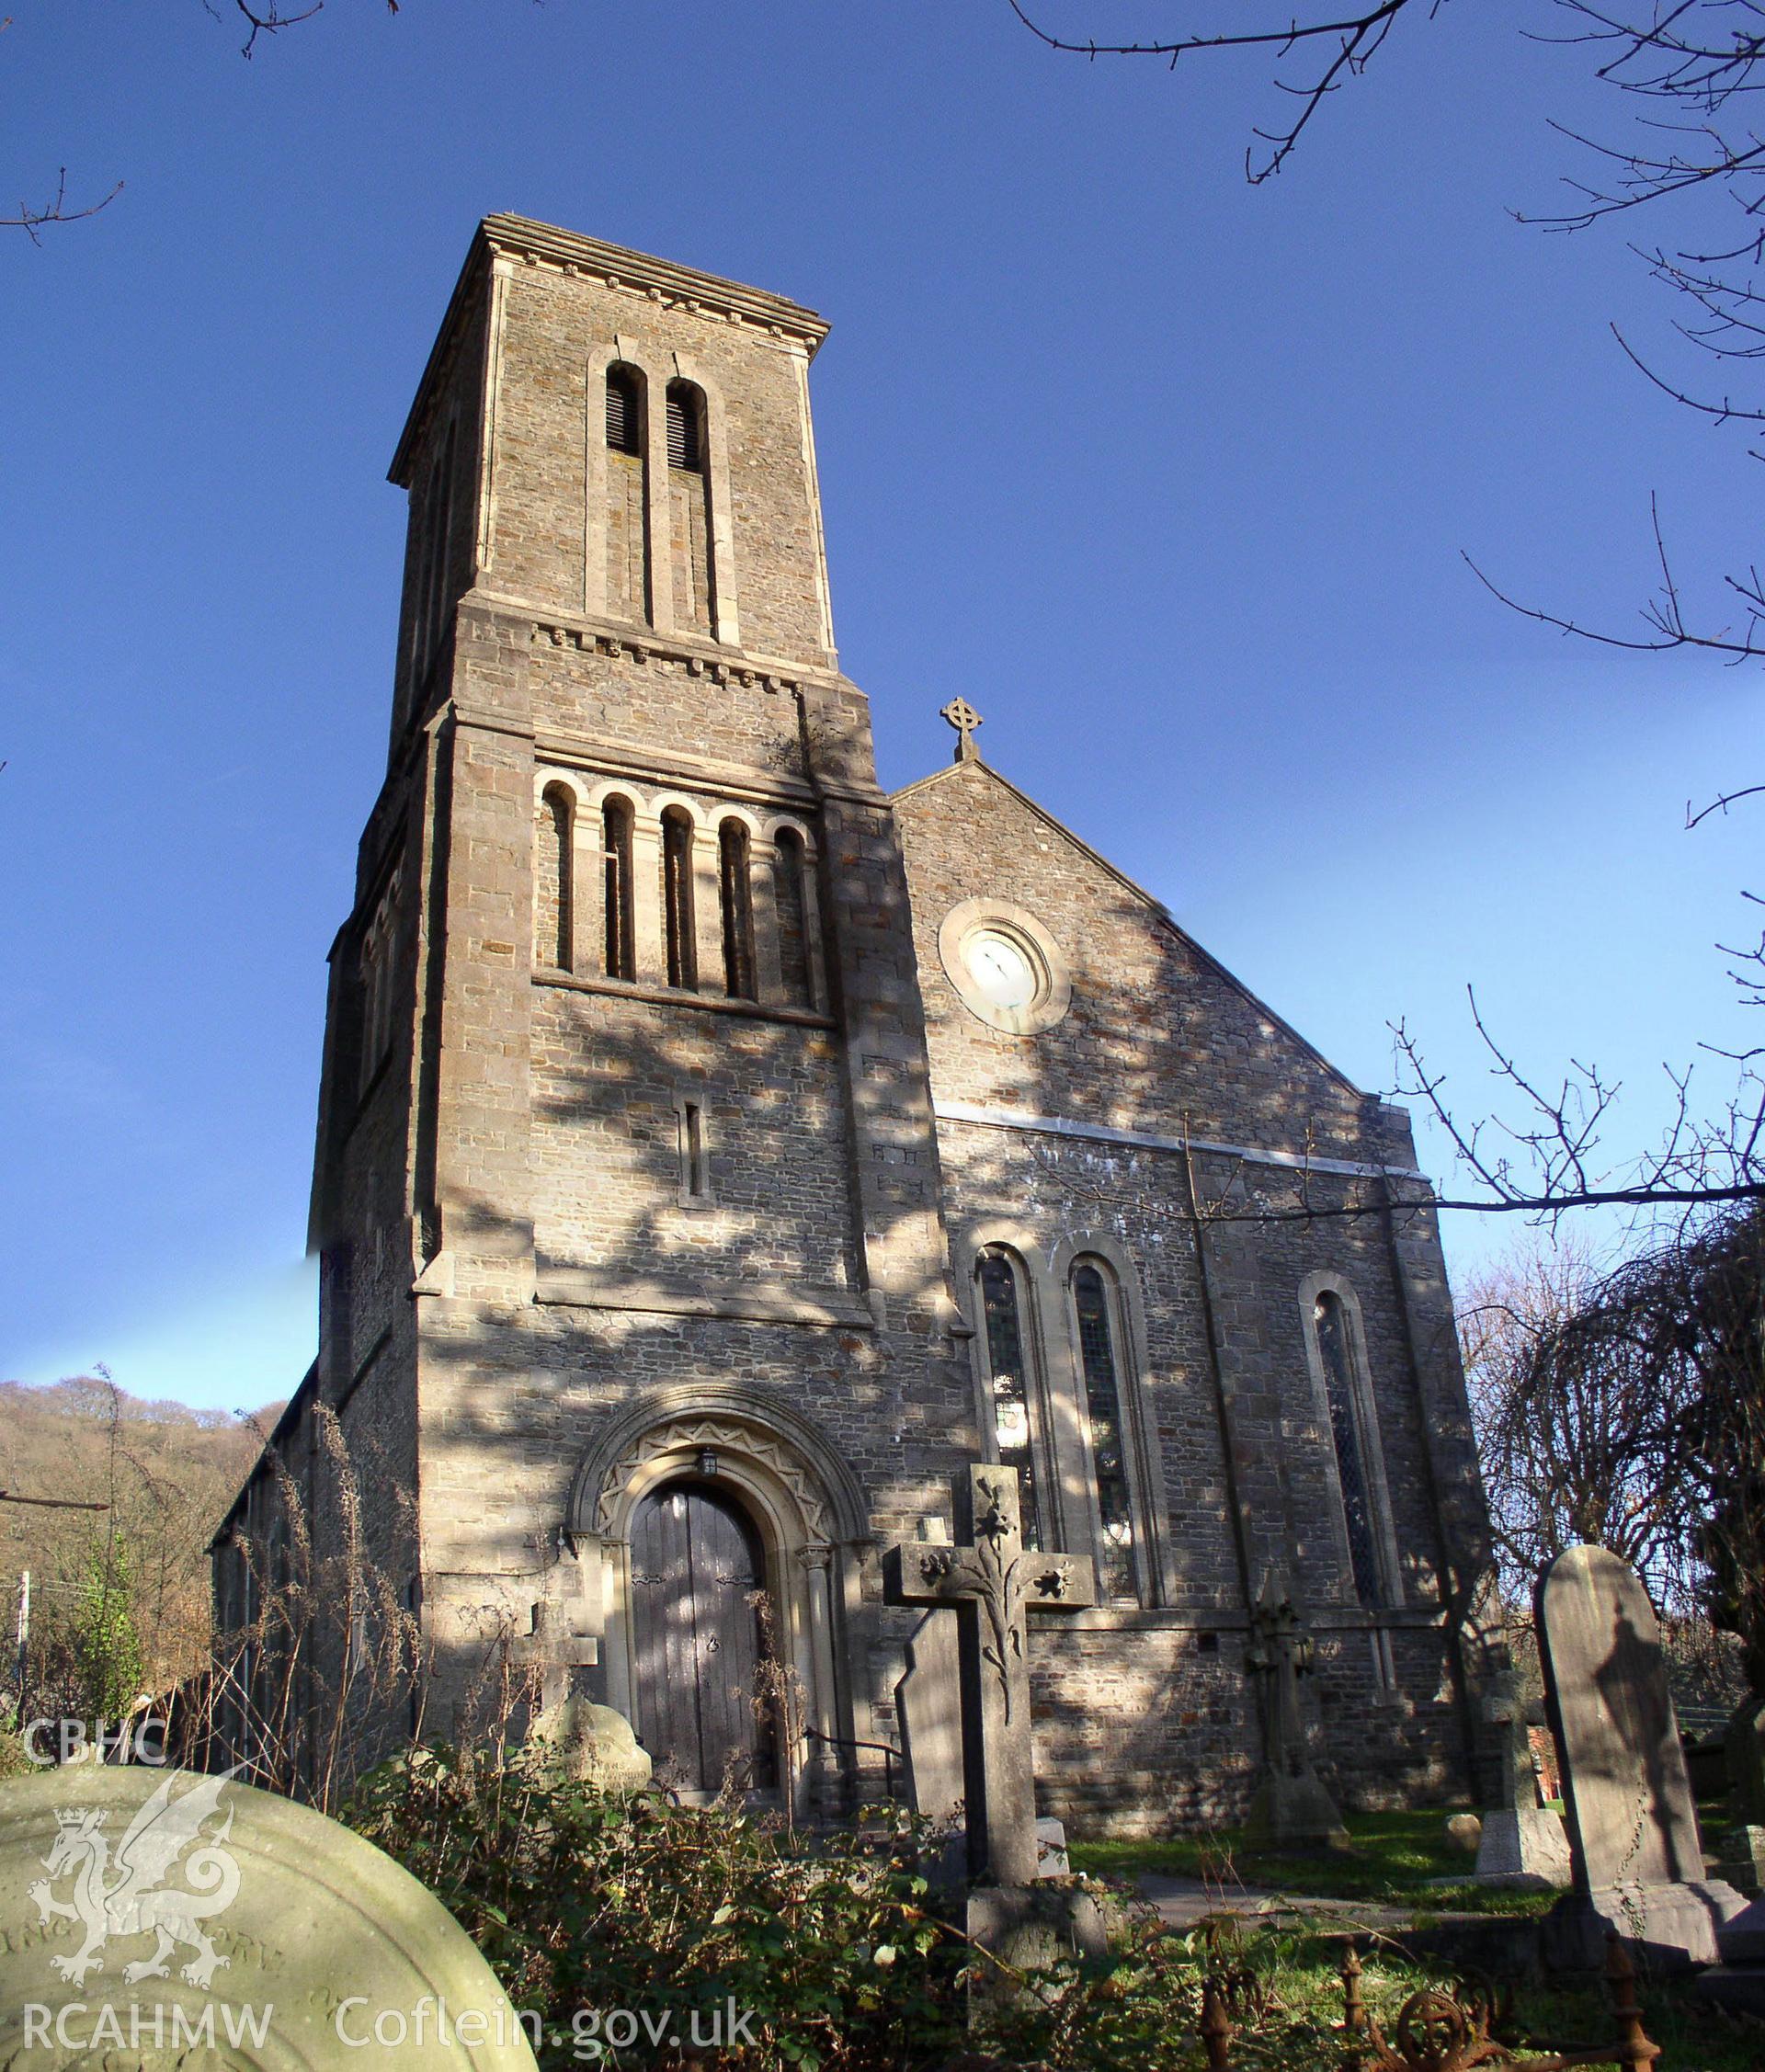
[[715, 1155]]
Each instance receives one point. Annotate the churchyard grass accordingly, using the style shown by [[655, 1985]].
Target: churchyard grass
[[1396, 1859]]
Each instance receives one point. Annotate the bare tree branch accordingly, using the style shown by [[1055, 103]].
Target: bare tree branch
[[1722, 804], [1664, 613], [1357, 39], [55, 211]]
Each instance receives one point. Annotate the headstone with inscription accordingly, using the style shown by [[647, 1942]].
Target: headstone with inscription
[[160, 1919], [1522, 1843], [988, 1582], [1638, 1862], [590, 1744]]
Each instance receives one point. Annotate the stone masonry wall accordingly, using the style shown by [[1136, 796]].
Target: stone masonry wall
[[551, 402], [607, 1171], [1157, 1041]]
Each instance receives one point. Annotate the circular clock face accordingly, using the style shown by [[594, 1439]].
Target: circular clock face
[[1008, 971], [1001, 969]]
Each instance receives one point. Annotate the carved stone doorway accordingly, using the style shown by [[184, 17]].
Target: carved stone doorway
[[697, 1641]]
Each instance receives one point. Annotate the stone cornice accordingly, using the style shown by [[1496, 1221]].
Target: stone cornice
[[525, 243], [642, 643], [657, 281]]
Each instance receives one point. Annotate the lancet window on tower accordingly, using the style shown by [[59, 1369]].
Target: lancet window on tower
[[554, 931], [676, 896], [686, 426], [616, 847], [432, 531], [627, 545], [1095, 1304], [791, 902], [689, 508], [736, 890], [996, 1276], [377, 967]]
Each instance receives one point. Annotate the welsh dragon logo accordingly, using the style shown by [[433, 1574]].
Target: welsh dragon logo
[[128, 1894]]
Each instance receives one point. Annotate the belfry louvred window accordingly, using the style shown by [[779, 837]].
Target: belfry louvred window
[[625, 414], [685, 427]]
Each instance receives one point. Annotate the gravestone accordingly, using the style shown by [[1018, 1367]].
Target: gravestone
[[928, 1712], [1742, 1939], [984, 1584], [156, 1918], [1743, 1844], [1524, 1844], [1291, 1809], [590, 1744], [1638, 1862], [1743, 1749]]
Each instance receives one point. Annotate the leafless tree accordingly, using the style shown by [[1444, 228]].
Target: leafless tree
[[1576, 1424], [266, 18], [1682, 72], [1624, 1406]]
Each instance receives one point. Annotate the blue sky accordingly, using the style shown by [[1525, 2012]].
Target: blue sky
[[1170, 477]]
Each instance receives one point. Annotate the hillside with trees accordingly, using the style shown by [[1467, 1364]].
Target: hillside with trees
[[119, 1596]]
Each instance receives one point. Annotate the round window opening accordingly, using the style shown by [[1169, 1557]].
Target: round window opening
[[1005, 967]]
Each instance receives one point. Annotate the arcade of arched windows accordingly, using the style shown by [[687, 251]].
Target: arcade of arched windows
[[688, 895], [1059, 1353]]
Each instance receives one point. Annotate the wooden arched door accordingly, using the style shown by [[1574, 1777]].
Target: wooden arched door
[[697, 1642]]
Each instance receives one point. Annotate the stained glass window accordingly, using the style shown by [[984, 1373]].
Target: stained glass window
[[1336, 1350], [1108, 1433], [1010, 1384]]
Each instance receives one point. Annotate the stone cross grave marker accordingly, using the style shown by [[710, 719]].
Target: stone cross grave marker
[[991, 1580], [1638, 1862], [1522, 1842], [1292, 1808]]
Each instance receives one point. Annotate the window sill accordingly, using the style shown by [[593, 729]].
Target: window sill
[[678, 996]]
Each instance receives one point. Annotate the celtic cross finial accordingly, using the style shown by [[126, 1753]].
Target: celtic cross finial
[[962, 716]]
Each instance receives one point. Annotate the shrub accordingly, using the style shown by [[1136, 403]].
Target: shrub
[[586, 1900]]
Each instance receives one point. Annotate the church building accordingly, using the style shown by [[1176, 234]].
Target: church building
[[716, 1154]]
